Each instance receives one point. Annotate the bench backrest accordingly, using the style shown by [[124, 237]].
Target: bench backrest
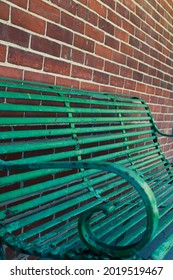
[[41, 123]]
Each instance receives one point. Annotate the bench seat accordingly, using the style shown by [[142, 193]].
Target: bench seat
[[82, 175]]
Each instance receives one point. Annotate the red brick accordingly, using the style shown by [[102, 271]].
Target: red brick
[[153, 3], [72, 23], [140, 2], [156, 82], [140, 13], [4, 11], [153, 99], [167, 77], [67, 82], [56, 66], [109, 3], [111, 42], [46, 46], [24, 58], [106, 26], [132, 63], [145, 97], [140, 87], [66, 52], [94, 33], [152, 71], [133, 41], [38, 77], [140, 35], [27, 21], [137, 76], [117, 81], [155, 16], [121, 10], [84, 2], [163, 22], [155, 109], [81, 72], [148, 59], [163, 85], [89, 86], [157, 37], [78, 56], [112, 67], [126, 49], [164, 68], [103, 51], [20, 3], [114, 18], [147, 79], [92, 18], [9, 72], [59, 33], [106, 88], [126, 72], [166, 35], [83, 43], [145, 27], [100, 77], [135, 20], [166, 6], [160, 10], [157, 64], [68, 5], [82, 11], [168, 61], [87, 15], [143, 67], [14, 35], [129, 84], [144, 48], [128, 26], [97, 7], [150, 89], [2, 53], [122, 35], [159, 92], [130, 5], [45, 10], [118, 57], [94, 61]]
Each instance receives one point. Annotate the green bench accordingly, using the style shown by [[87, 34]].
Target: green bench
[[82, 175]]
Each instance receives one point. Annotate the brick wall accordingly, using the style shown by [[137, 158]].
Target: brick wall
[[104, 45]]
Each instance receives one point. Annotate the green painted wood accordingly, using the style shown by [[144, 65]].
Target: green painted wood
[[68, 153]]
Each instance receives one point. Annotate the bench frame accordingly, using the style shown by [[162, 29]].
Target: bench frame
[[85, 231]]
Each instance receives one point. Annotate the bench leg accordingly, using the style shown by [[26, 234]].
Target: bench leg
[[2, 252]]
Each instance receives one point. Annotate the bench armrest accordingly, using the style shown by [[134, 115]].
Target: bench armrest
[[160, 132], [84, 222], [152, 119], [151, 209]]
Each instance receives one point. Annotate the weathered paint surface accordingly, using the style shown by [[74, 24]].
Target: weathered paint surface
[[80, 169]]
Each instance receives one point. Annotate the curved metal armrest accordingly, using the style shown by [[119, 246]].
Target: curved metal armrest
[[84, 222], [160, 132], [151, 209], [152, 119]]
